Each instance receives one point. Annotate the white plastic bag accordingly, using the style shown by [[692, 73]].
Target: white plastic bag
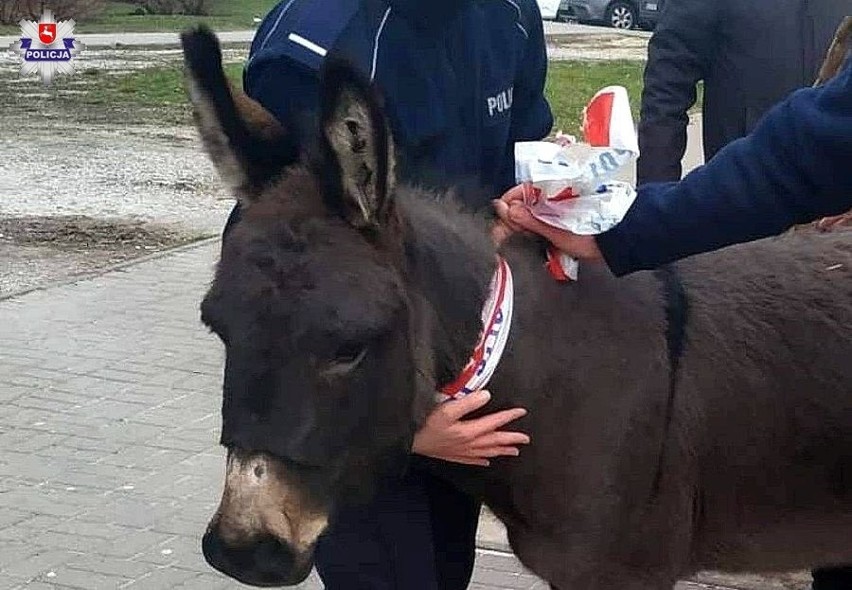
[[569, 185]]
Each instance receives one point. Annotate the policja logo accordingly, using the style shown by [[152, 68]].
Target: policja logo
[[47, 47]]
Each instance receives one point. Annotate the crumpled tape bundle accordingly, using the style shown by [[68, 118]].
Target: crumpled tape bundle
[[569, 185]]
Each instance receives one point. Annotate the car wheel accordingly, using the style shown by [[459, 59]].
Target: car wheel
[[621, 15]]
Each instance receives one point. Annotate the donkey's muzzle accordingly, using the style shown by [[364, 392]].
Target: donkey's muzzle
[[265, 562]]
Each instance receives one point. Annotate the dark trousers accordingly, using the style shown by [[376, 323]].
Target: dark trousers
[[417, 534], [837, 578], [233, 218]]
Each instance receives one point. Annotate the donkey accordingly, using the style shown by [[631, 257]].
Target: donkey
[[697, 417], [838, 52]]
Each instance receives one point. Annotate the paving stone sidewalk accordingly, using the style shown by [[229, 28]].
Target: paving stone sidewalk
[[109, 467]]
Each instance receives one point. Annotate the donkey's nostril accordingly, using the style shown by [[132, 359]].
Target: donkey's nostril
[[266, 562], [259, 471]]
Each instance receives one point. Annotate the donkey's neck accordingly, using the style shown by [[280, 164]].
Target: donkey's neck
[[451, 261]]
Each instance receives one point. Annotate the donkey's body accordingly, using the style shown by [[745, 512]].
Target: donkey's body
[[686, 419], [695, 417]]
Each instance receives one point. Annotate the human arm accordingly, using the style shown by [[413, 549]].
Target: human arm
[[678, 55], [792, 169]]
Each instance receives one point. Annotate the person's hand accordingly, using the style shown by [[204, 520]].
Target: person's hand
[[505, 227], [515, 217], [471, 442], [830, 223]]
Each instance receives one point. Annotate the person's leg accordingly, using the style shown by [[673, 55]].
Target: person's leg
[[833, 578], [385, 545], [455, 518], [233, 218]]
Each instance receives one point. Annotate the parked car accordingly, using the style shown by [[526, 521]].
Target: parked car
[[619, 14], [549, 9]]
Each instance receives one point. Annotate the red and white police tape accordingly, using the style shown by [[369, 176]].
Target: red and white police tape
[[569, 185], [496, 324]]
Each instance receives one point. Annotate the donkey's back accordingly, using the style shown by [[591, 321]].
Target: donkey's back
[[681, 421], [766, 402]]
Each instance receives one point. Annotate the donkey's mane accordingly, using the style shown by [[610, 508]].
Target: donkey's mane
[[451, 260]]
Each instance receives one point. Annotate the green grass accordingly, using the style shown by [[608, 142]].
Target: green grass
[[151, 95], [160, 89], [120, 17], [570, 85], [153, 87]]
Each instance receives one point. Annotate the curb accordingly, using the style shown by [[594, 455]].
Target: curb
[[502, 548], [191, 245]]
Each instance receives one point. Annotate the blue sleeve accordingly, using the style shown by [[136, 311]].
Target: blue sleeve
[[284, 86], [286, 89], [794, 168], [532, 118]]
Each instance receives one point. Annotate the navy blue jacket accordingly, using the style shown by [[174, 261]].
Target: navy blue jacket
[[795, 167], [462, 79]]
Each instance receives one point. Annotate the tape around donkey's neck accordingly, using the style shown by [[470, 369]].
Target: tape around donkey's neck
[[496, 325]]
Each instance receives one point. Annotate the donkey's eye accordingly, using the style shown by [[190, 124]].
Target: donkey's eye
[[346, 359], [350, 354]]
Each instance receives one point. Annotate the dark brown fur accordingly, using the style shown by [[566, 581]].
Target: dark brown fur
[[691, 419]]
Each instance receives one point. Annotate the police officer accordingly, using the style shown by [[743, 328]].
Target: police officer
[[463, 81], [750, 54]]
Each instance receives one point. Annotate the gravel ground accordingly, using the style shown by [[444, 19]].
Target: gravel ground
[[72, 202], [597, 47], [84, 187], [40, 250], [114, 165]]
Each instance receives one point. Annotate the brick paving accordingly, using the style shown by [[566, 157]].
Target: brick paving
[[109, 467]]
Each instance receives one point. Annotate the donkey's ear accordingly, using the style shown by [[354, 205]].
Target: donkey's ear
[[357, 144], [839, 52], [245, 141]]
